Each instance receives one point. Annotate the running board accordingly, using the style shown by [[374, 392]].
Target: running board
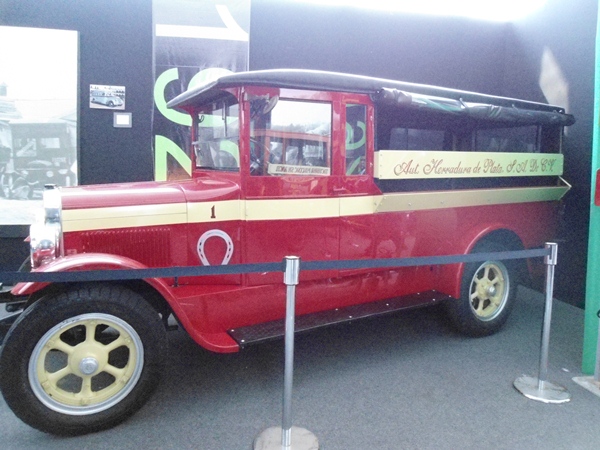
[[267, 331]]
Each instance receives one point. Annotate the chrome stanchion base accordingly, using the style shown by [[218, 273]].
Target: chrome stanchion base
[[589, 383], [271, 439], [547, 393]]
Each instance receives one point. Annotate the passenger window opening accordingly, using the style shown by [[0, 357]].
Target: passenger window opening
[[356, 139], [417, 131], [290, 137], [417, 139], [524, 139]]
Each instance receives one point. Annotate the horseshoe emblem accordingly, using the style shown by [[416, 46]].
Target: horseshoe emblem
[[215, 233]]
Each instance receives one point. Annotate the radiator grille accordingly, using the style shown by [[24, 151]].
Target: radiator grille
[[151, 247]]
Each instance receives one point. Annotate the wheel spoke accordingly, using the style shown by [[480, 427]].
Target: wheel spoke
[[59, 345], [480, 307], [486, 272], [119, 342], [115, 371], [86, 389], [55, 377], [90, 331]]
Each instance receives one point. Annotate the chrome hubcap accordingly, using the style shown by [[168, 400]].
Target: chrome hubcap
[[88, 366]]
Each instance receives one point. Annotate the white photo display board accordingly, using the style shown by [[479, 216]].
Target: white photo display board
[[38, 117]]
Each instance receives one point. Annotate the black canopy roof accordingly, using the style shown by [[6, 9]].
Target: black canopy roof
[[385, 92]]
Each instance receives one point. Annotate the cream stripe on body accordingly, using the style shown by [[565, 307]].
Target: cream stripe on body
[[297, 209], [123, 217]]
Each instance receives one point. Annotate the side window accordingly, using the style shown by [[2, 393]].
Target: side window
[[290, 137], [356, 139], [514, 139], [416, 139]]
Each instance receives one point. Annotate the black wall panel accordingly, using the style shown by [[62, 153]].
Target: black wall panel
[[446, 51], [568, 30]]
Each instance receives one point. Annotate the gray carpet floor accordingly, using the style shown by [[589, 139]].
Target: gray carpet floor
[[398, 382]]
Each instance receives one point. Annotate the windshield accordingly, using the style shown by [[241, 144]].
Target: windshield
[[218, 132]]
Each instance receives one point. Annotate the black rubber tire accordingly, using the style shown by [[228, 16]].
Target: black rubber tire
[[491, 317], [98, 304]]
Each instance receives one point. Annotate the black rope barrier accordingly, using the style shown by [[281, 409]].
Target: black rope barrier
[[78, 276]]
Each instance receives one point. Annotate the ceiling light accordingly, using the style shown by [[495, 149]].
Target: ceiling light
[[498, 10]]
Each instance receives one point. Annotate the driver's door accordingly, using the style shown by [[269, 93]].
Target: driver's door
[[289, 207]]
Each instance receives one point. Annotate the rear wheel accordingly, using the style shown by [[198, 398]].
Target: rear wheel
[[487, 294], [82, 361]]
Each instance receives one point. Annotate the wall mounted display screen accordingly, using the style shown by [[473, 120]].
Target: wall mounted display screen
[[38, 117]]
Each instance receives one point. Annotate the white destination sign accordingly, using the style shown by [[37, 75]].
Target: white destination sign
[[288, 169]]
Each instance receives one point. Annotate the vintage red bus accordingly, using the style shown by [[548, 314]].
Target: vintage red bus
[[319, 165]]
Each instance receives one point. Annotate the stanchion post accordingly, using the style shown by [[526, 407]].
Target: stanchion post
[[540, 389], [550, 262], [290, 278], [288, 437]]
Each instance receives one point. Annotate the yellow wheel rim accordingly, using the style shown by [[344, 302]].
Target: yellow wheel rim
[[489, 290], [86, 364]]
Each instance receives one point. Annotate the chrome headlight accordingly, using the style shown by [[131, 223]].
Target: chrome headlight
[[46, 235]]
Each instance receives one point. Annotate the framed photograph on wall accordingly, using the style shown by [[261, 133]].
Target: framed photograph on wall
[[38, 117], [107, 97]]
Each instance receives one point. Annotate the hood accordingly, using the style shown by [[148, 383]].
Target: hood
[[147, 193], [127, 205]]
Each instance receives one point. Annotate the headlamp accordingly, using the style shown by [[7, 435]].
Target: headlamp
[[46, 240]]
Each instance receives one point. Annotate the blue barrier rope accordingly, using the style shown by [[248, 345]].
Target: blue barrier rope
[[194, 271]]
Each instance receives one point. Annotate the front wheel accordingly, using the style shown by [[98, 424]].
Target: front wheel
[[82, 361], [487, 294]]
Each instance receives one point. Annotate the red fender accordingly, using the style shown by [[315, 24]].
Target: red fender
[[100, 261], [88, 261], [451, 275]]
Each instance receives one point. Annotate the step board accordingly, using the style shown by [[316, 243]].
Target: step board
[[267, 331]]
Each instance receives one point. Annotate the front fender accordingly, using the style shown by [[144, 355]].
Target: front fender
[[88, 261], [219, 342]]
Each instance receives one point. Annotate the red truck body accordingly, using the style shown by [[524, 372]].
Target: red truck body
[[325, 167]]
